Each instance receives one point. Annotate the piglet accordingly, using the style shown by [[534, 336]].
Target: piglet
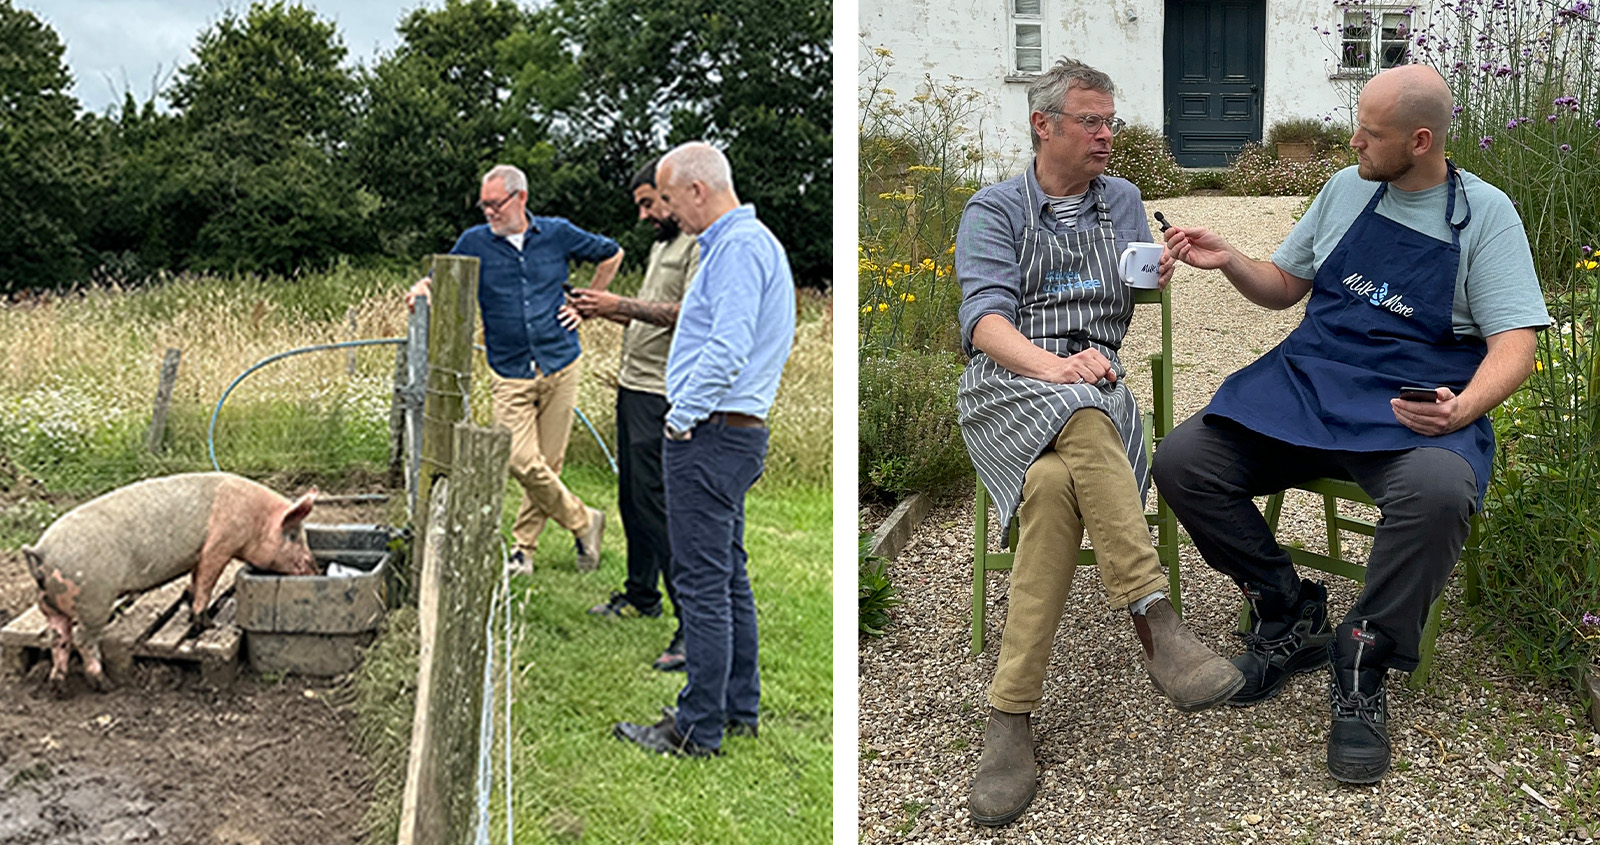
[[145, 534]]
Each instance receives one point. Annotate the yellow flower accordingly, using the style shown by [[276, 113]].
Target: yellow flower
[[927, 263], [883, 306], [1585, 264], [889, 282], [1538, 366], [866, 309], [951, 250], [908, 297]]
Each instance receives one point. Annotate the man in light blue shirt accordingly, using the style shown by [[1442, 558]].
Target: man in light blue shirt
[[732, 340]]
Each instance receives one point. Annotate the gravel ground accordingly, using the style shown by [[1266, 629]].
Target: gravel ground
[[1479, 756]]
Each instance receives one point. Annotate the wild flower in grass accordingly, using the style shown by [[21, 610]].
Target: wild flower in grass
[[1591, 620], [883, 306], [1485, 142], [1566, 148], [908, 297]]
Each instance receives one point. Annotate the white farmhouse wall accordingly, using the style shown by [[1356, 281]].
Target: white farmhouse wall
[[966, 42]]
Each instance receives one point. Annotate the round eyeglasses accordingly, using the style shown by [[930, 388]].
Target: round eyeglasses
[[1093, 122]]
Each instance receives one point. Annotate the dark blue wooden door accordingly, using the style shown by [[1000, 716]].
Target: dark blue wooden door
[[1214, 62]]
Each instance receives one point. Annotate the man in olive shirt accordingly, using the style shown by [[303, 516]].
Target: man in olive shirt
[[642, 408]]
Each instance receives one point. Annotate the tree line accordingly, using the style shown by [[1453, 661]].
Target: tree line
[[273, 158]]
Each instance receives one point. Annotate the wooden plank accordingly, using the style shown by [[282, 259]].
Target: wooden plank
[[30, 630], [440, 798], [147, 612], [164, 643]]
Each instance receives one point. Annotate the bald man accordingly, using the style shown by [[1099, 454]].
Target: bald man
[[1420, 277]]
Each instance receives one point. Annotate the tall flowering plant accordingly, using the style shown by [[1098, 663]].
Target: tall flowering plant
[[1527, 100]]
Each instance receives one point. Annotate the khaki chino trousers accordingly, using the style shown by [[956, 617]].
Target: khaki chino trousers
[[539, 413], [1082, 481]]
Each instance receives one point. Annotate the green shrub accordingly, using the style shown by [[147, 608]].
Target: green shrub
[[1209, 179], [909, 438], [1256, 172], [1323, 134], [1141, 156]]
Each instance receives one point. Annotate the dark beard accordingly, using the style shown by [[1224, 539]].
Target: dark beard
[[1376, 176], [666, 229]]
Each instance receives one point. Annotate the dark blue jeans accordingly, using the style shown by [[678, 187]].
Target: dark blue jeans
[[707, 477]]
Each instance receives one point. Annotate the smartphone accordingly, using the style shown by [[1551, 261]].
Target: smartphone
[[1418, 394]]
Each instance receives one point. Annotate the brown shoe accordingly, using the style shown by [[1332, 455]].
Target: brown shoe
[[589, 541], [1181, 667], [1007, 777]]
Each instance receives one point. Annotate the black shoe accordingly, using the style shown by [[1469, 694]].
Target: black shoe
[[1276, 649], [1358, 740], [672, 660], [519, 563], [662, 737], [732, 727], [620, 607]]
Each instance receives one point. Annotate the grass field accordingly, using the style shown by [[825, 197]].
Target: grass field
[[576, 675]]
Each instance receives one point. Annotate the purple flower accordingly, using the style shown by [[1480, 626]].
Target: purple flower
[[1550, 118], [1485, 142], [1455, 111], [1512, 123], [1590, 619], [1566, 148], [1588, 250]]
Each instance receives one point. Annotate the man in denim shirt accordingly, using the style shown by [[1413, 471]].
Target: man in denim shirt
[[531, 335], [733, 338]]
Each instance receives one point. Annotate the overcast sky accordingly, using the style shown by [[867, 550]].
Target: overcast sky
[[135, 45]]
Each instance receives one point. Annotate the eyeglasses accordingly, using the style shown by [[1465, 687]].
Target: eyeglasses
[[487, 205], [1093, 122]]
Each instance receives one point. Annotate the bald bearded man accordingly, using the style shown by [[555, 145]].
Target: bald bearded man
[[1419, 274]]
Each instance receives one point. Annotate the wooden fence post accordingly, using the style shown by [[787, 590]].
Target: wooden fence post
[[452, 321], [158, 416], [461, 561]]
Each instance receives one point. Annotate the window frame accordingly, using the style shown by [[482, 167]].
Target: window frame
[[1373, 19], [1014, 20]]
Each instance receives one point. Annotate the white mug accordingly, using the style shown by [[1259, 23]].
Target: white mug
[[1144, 268]]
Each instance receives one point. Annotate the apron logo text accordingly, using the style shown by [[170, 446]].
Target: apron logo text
[[1061, 281], [1377, 296]]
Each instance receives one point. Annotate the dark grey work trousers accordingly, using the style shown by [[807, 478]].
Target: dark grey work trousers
[[1209, 471]]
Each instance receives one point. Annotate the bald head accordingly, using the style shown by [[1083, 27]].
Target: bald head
[[695, 183], [1417, 98]]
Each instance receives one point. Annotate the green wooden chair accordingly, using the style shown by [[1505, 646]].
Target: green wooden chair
[[1157, 422], [1335, 562]]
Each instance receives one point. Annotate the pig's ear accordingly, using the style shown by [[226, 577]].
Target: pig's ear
[[300, 509]]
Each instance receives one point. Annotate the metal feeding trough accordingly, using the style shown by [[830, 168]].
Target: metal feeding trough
[[318, 625]]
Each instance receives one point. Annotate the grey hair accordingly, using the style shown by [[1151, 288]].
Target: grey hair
[[698, 161], [1048, 92], [514, 180]]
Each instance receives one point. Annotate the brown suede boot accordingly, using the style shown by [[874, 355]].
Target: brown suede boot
[[1182, 668], [1007, 776]]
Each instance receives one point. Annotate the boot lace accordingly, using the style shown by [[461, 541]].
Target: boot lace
[[1353, 705]]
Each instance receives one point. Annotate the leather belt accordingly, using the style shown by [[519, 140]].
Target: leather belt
[[734, 419]]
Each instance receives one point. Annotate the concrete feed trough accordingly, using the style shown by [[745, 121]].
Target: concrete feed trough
[[318, 625]]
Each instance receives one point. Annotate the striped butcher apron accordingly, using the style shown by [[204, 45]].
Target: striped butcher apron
[[1072, 297]]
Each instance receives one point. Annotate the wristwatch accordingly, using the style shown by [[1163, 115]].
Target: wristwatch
[[679, 434]]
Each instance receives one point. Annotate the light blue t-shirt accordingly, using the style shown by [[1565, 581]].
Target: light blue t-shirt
[[1496, 288]]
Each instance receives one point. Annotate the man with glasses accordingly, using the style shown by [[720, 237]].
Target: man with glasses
[[531, 335], [1419, 275], [1051, 427]]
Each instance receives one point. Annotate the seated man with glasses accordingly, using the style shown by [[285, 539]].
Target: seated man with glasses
[[1051, 427], [531, 335]]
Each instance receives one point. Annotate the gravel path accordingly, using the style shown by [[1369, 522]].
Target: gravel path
[[1480, 757]]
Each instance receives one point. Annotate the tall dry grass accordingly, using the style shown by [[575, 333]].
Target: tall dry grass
[[79, 373]]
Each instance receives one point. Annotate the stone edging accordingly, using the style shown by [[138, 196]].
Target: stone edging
[[896, 531]]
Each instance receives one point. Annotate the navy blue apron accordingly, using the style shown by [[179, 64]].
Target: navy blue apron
[[1379, 317]]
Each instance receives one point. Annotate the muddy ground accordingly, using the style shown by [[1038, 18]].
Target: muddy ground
[[164, 758]]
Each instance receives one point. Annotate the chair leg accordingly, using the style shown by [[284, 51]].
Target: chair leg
[[980, 565], [1430, 632]]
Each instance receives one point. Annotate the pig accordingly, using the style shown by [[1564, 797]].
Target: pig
[[145, 534]]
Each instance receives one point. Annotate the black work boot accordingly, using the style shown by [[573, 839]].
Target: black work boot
[[1358, 740], [1282, 643]]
